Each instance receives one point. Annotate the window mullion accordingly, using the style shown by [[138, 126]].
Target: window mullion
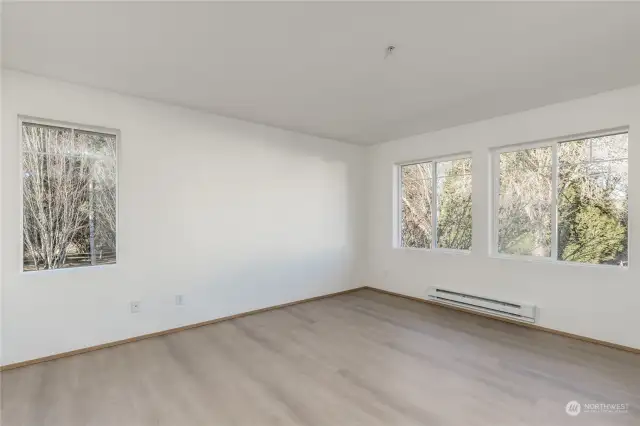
[[554, 201], [434, 205]]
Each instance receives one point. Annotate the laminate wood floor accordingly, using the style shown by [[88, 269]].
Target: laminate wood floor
[[362, 358]]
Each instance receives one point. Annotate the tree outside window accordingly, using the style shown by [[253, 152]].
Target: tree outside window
[[69, 197]]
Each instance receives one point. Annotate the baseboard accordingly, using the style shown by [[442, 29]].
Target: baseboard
[[270, 308], [533, 326], [165, 332]]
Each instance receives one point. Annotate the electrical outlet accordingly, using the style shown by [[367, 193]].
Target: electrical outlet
[[179, 300], [135, 307]]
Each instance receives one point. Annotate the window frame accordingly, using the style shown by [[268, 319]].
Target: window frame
[[27, 119], [397, 241], [495, 196]]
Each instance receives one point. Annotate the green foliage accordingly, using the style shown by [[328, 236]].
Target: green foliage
[[590, 229], [416, 205], [524, 213], [454, 199], [592, 204], [454, 218]]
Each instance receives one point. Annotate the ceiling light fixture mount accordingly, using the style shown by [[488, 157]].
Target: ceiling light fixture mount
[[389, 51]]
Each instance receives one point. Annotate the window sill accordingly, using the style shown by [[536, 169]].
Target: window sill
[[549, 261], [454, 252], [73, 270]]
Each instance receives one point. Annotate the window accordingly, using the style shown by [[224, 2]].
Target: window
[[565, 200], [436, 204], [524, 218], [69, 197]]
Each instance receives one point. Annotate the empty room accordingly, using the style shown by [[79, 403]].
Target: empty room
[[319, 213]]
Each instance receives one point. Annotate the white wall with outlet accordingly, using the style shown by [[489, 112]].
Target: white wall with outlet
[[595, 301], [216, 217], [219, 217]]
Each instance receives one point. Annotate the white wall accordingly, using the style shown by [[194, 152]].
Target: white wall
[[1, 201], [233, 216], [236, 216], [593, 301]]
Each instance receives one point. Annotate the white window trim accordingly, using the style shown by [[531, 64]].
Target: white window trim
[[73, 127], [397, 243], [495, 189]]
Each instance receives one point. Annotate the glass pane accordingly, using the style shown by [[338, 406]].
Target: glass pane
[[592, 200], [95, 144], [610, 147], [69, 198], [46, 139], [454, 204], [55, 189], [417, 193], [454, 167], [524, 210], [103, 201]]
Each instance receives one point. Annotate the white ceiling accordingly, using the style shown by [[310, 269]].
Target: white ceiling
[[319, 68]]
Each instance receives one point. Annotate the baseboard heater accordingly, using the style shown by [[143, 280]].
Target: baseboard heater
[[486, 305]]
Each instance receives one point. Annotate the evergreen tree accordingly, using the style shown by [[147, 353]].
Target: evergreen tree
[[590, 229], [454, 219]]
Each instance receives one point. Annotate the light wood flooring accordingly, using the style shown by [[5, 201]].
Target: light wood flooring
[[362, 358]]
